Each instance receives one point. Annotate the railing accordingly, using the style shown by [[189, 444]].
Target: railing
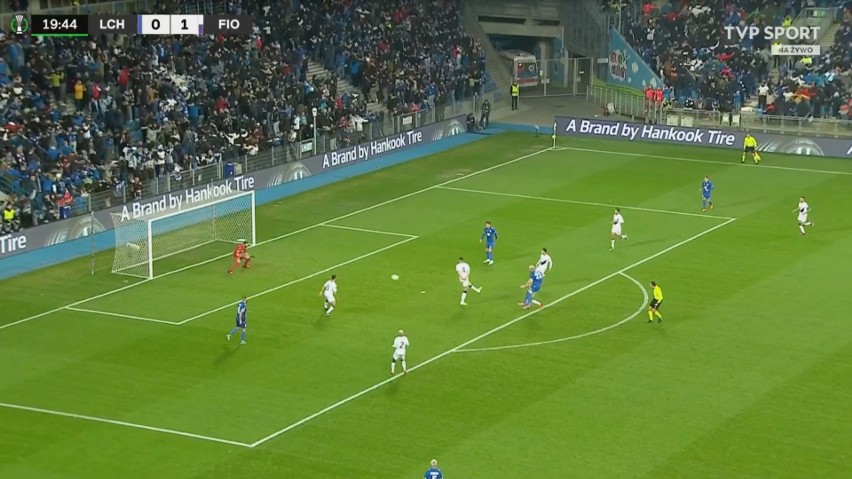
[[500, 74], [633, 105], [821, 18], [618, 102], [273, 156], [827, 127]]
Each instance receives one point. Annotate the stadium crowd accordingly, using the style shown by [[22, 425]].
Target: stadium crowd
[[79, 116], [687, 44]]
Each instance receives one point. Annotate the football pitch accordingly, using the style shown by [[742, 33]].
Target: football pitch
[[747, 376]]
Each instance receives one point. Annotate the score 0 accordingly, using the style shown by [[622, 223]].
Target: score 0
[[154, 25]]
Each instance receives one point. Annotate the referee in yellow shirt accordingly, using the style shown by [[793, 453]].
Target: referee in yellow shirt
[[656, 302], [750, 148]]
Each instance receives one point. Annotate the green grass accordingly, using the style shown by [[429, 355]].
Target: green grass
[[748, 376]]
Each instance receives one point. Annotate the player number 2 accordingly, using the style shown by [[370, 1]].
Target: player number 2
[[155, 24]]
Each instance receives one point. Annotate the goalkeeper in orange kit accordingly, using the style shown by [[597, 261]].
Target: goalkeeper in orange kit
[[241, 257]]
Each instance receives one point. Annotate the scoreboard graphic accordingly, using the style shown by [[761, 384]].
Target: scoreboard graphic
[[94, 25]]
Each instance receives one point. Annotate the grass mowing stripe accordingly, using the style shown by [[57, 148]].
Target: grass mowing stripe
[[467, 343], [280, 237], [299, 280], [365, 230], [119, 315], [123, 423], [584, 203], [576, 336], [711, 162]]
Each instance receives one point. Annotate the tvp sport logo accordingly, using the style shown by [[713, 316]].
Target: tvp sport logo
[[786, 41]]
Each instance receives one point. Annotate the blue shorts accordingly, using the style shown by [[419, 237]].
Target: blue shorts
[[706, 197], [535, 289], [240, 324], [489, 245]]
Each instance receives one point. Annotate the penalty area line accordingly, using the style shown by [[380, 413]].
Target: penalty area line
[[367, 230], [467, 343], [299, 280], [114, 422], [636, 313], [279, 237], [584, 203], [119, 315]]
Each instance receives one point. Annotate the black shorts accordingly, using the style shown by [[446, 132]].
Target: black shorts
[[655, 304], [749, 149]]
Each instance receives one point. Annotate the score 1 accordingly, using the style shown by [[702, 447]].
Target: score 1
[[187, 24]]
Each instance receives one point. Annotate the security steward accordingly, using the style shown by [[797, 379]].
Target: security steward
[[515, 91]]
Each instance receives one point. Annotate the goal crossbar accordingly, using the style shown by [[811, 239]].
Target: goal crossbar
[[141, 241]]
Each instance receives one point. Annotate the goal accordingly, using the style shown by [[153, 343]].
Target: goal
[[142, 241]]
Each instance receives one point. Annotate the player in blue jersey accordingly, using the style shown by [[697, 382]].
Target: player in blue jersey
[[433, 472], [706, 194], [489, 235], [533, 285], [242, 307]]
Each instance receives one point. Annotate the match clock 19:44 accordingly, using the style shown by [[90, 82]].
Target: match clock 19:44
[[59, 25]]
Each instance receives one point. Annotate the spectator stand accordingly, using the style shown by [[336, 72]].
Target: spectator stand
[[817, 87], [684, 41], [93, 123]]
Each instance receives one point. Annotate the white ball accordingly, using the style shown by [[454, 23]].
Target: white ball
[[394, 277]]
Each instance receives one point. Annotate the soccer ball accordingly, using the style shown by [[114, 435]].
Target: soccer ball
[[394, 277]]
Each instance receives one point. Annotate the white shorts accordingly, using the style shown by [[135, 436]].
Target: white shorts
[[329, 298], [616, 230], [398, 357], [465, 283], [803, 218]]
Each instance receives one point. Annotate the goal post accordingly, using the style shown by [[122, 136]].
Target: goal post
[[141, 241]]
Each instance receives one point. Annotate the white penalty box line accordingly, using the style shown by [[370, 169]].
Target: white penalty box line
[[407, 239], [585, 203], [326, 223], [464, 345], [461, 348]]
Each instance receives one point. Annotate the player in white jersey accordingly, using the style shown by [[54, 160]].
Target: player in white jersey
[[617, 222], [463, 269], [328, 292], [802, 212], [545, 263], [400, 344]]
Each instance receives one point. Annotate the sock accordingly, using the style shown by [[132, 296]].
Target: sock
[[743, 157], [243, 335], [703, 204], [528, 299], [232, 268], [808, 223], [650, 315], [325, 305], [404, 366], [247, 263], [329, 310], [802, 228], [464, 296], [612, 244], [489, 256], [536, 302], [657, 314], [393, 367]]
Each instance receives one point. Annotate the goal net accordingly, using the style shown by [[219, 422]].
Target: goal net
[[140, 242]]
